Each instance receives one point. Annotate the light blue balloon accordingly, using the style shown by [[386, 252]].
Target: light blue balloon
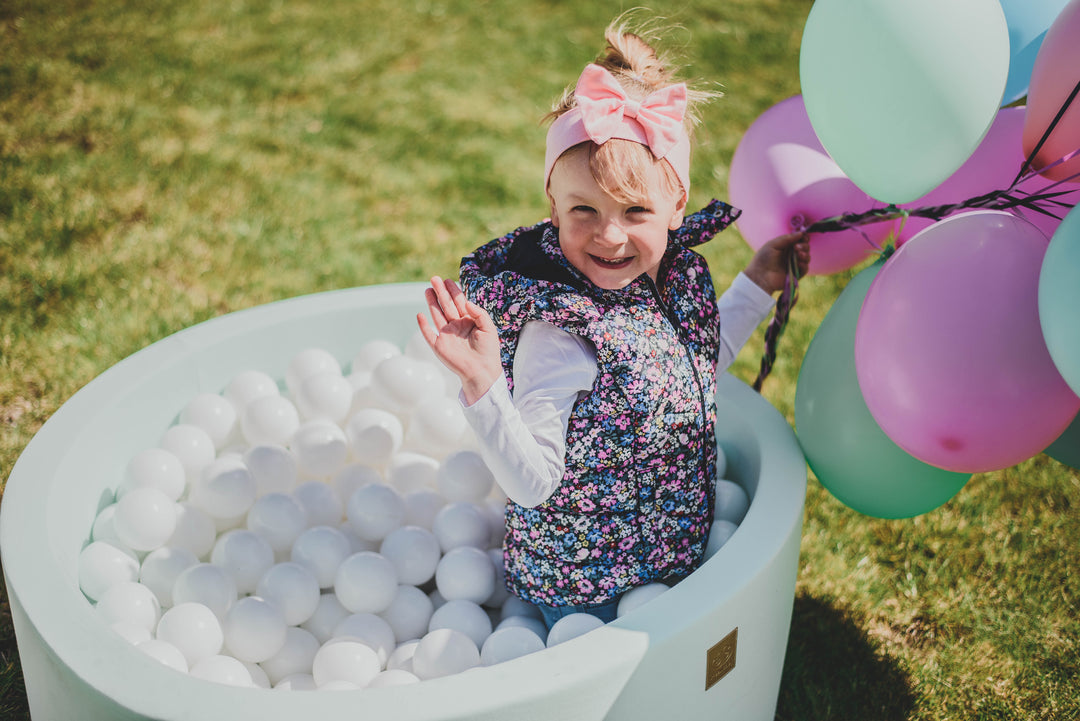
[[844, 446], [1066, 449], [901, 93], [1059, 299], [1028, 21]]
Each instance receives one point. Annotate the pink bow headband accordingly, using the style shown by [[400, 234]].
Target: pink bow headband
[[603, 112]]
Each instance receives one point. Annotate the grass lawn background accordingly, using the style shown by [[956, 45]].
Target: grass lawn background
[[163, 163]]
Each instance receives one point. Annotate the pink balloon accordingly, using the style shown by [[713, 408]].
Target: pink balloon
[[1053, 77], [949, 351], [782, 179], [993, 166]]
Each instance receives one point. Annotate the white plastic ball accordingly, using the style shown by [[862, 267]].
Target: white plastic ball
[[500, 593], [372, 354], [145, 519], [104, 528], [162, 567], [328, 614], [154, 468], [721, 462], [254, 629], [366, 582], [222, 669], [259, 679], [273, 466], [393, 677], [496, 512], [326, 395], [514, 606], [295, 655], [194, 629], [375, 510], [719, 534], [509, 643], [463, 476], [206, 584], [374, 435], [130, 602], [444, 652], [191, 445], [345, 660], [409, 613], [292, 588], [309, 362], [464, 616], [415, 553], [358, 544], [732, 502], [296, 682], [532, 623], [370, 629], [279, 519], [461, 524], [321, 502], [248, 385], [194, 530], [133, 633], [407, 381], [409, 471], [320, 447], [354, 476], [572, 626], [245, 555], [401, 658], [421, 507], [213, 413], [102, 565], [225, 489], [269, 420], [636, 597], [165, 653], [465, 573], [437, 426], [322, 549]]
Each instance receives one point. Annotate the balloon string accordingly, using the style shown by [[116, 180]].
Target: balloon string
[[1046, 133], [789, 296]]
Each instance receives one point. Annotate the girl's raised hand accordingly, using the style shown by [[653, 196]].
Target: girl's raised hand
[[463, 337]]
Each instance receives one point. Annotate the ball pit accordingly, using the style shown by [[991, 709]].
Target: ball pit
[[713, 643]]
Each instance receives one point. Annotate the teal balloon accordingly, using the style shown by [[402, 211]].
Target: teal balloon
[[847, 450], [901, 93], [1028, 21], [1066, 449], [1059, 299]]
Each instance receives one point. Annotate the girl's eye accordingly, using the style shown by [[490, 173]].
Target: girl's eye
[[582, 209], [638, 209]]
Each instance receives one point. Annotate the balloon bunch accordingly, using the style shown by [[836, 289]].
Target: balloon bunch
[[958, 353]]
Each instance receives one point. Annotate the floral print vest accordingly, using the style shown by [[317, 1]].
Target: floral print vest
[[636, 501]]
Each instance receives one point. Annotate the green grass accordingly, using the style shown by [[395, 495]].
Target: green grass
[[164, 163]]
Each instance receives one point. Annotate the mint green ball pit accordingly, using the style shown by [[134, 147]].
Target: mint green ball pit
[[712, 647]]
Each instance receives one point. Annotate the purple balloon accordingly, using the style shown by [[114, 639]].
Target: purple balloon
[[949, 351], [782, 179]]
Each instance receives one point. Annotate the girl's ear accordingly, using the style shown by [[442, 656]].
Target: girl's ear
[[677, 216], [555, 213]]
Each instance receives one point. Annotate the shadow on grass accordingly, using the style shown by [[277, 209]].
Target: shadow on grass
[[831, 671]]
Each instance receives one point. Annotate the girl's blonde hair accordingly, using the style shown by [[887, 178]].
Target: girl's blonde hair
[[620, 167]]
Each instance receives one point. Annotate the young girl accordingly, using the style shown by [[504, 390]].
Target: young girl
[[588, 345]]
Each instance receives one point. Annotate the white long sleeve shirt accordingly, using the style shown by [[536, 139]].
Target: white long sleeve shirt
[[523, 436]]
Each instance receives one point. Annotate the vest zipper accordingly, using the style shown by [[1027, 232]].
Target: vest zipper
[[666, 312]]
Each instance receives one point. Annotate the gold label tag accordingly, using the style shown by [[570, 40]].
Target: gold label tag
[[720, 659]]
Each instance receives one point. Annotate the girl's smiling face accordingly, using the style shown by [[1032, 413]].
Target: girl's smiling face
[[611, 241]]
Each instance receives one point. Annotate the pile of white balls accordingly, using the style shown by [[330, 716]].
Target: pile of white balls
[[340, 532]]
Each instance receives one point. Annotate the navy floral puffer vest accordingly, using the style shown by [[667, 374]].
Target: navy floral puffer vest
[[636, 501]]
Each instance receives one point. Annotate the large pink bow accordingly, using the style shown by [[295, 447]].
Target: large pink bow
[[604, 106]]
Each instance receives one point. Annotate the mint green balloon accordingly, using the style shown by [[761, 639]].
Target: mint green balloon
[[844, 446], [901, 92], [1059, 299]]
